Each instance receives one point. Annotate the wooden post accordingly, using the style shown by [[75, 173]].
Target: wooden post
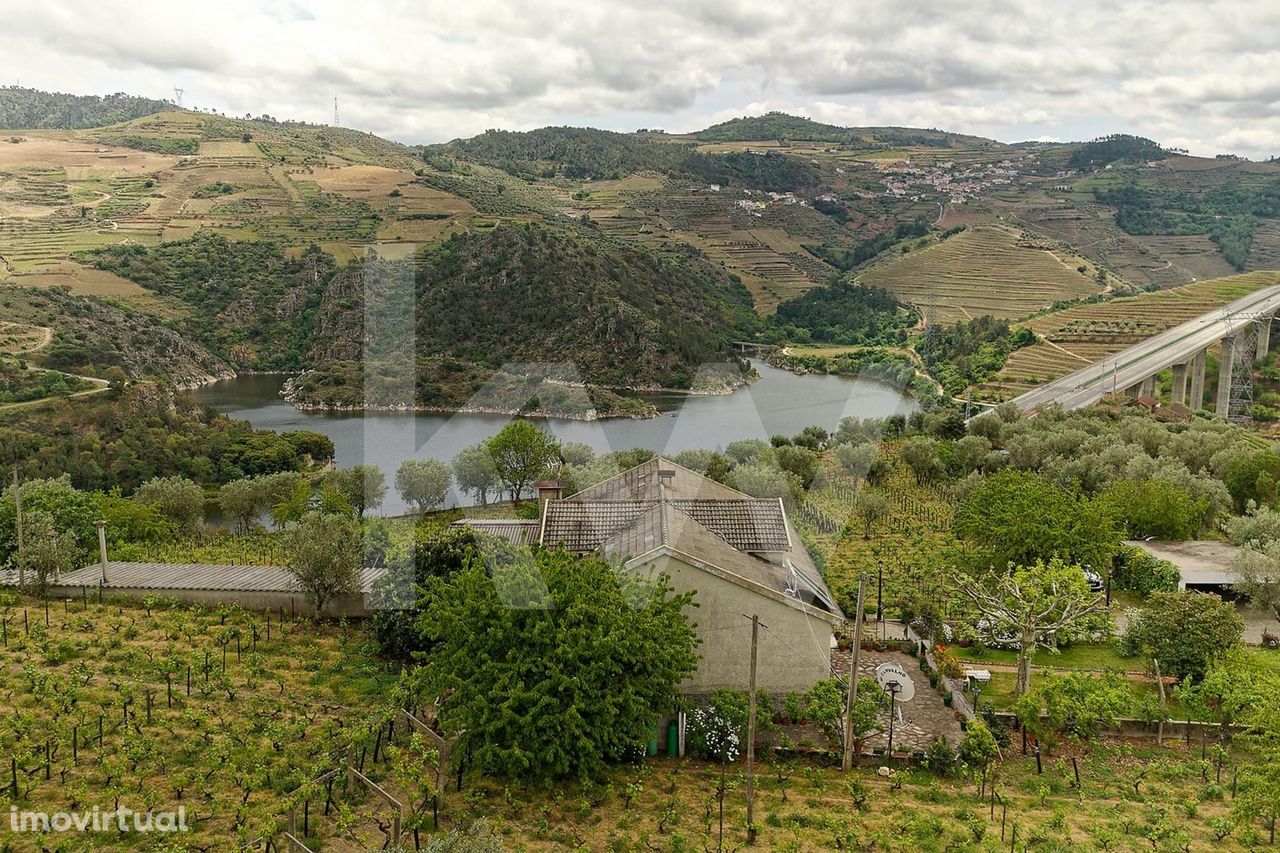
[[1160, 683], [751, 731], [17, 508], [847, 761]]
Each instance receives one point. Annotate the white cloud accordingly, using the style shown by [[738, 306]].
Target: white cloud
[[1188, 72]]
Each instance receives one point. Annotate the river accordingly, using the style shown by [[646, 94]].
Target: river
[[779, 402]]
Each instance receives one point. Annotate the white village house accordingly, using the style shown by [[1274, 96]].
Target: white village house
[[740, 556]]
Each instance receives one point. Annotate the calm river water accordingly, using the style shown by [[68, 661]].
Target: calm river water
[[779, 402]]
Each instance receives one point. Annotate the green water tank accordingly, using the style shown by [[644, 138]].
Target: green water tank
[[673, 740], [651, 748]]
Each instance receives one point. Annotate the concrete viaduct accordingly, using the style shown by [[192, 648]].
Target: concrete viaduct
[[1182, 348]]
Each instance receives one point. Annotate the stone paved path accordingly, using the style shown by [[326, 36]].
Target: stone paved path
[[923, 718]]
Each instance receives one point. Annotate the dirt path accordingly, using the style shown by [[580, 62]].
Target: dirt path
[[46, 336], [1066, 351]]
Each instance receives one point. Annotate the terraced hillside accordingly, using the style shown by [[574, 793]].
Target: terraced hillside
[[985, 270], [1081, 335], [167, 176]]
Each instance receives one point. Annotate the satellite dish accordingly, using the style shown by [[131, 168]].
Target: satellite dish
[[893, 679]]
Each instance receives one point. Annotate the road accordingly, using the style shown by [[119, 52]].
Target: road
[[1130, 366]]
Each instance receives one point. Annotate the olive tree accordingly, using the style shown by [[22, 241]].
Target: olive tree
[[474, 470], [326, 556], [364, 486], [177, 499], [423, 482]]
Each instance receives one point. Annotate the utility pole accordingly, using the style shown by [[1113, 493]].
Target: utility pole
[[751, 731], [847, 762], [17, 506]]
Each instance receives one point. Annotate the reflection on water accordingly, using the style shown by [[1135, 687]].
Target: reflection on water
[[780, 402]]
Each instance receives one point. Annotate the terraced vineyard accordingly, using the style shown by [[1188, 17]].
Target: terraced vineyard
[[1084, 334], [985, 270]]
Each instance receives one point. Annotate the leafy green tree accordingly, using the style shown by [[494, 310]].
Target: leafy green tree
[[582, 654], [325, 556], [1020, 517], [1074, 705], [1254, 479], [68, 509], [1032, 604], [765, 480], [363, 485], [1185, 631], [521, 453], [423, 482], [474, 470], [177, 499], [291, 506], [433, 553], [1154, 508], [979, 748], [799, 461]]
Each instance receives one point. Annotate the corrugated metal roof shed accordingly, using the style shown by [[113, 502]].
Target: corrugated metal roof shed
[[196, 576]]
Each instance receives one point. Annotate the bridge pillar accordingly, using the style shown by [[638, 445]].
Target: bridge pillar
[[1133, 391], [1178, 394], [1149, 387], [1196, 402], [1231, 346], [1264, 336]]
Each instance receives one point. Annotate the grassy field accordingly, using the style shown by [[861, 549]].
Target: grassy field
[[1077, 336], [984, 270]]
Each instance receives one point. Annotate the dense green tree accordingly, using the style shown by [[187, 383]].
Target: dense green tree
[[325, 556], [47, 553], [1254, 479], [423, 482], [432, 553], [66, 509], [1154, 508], [1019, 517], [870, 507], [920, 453], [1074, 705], [1186, 631], [521, 453], [763, 480], [582, 654]]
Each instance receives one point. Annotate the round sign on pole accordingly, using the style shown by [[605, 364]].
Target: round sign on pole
[[893, 679]]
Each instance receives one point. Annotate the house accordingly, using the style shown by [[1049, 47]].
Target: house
[[739, 555]]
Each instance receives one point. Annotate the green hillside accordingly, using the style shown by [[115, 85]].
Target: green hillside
[[32, 109]]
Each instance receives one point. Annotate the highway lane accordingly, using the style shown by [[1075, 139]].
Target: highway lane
[[1173, 346]]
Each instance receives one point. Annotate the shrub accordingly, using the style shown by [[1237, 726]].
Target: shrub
[[1134, 570]]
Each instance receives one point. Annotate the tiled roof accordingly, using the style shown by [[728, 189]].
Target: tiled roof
[[517, 532], [196, 576], [753, 524], [583, 525], [641, 484]]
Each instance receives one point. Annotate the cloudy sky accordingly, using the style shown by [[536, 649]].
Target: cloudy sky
[[1194, 74]]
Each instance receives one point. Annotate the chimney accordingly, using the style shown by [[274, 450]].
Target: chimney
[[665, 476], [102, 547], [548, 490]]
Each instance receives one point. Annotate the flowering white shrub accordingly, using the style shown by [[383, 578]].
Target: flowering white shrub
[[713, 736]]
